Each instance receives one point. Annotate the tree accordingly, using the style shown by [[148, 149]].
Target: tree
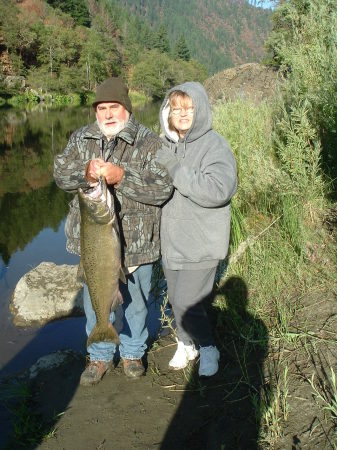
[[153, 74], [162, 42], [181, 50], [99, 58], [77, 9]]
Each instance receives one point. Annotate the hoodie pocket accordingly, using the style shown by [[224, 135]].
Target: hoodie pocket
[[204, 237]]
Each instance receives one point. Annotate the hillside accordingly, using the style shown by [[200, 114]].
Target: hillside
[[219, 34], [68, 46]]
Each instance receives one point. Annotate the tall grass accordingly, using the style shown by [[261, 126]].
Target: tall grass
[[306, 47], [285, 155]]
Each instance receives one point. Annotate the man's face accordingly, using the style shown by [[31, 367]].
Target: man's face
[[111, 117]]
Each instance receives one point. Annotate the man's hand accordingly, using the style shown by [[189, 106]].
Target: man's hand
[[112, 173], [93, 170]]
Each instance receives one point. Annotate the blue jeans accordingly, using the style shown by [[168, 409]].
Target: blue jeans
[[134, 333]]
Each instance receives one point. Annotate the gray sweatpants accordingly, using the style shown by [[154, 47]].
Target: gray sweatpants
[[187, 292]]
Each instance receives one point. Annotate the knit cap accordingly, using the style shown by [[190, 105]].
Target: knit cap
[[113, 90]]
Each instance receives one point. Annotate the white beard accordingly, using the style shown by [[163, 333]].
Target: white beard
[[109, 131]]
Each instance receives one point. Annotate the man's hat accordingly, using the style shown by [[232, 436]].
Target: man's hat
[[113, 90]]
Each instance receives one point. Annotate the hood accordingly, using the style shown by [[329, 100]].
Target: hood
[[202, 118]]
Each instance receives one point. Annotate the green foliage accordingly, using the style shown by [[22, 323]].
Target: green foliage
[[57, 54], [153, 75], [279, 148], [299, 149], [99, 58], [247, 127], [22, 101], [161, 41], [77, 9], [304, 46], [181, 50], [218, 34], [157, 72]]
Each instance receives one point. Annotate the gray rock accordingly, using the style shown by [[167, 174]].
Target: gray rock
[[46, 293], [15, 81], [53, 360]]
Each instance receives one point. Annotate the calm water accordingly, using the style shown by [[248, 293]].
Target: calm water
[[32, 214]]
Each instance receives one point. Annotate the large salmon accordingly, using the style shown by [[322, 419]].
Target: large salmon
[[100, 262]]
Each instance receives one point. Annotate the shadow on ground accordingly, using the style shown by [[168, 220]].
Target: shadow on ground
[[225, 411]]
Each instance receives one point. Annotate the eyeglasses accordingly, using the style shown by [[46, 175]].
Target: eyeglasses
[[177, 111]]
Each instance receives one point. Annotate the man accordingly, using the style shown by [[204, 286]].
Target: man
[[122, 150]]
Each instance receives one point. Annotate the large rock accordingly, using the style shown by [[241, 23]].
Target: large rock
[[46, 293], [15, 81], [249, 81]]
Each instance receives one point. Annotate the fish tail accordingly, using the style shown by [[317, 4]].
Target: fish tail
[[103, 334]]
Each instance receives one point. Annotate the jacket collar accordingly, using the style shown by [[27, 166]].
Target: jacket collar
[[128, 134]]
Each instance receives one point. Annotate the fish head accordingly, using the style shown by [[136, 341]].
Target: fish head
[[96, 202]]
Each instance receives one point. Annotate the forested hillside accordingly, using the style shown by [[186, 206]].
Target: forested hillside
[[218, 33], [69, 46]]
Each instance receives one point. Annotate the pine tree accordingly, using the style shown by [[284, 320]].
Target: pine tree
[[181, 50], [161, 40], [77, 9]]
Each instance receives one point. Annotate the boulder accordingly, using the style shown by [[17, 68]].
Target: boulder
[[15, 81], [46, 293], [53, 361]]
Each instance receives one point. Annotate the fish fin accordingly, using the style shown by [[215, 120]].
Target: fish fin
[[80, 273], [122, 275], [103, 334]]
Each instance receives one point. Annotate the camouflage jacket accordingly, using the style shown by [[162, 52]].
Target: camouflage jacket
[[145, 186]]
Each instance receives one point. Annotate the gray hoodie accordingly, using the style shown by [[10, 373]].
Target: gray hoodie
[[195, 222]]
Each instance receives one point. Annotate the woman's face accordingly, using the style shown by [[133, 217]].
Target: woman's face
[[181, 114]]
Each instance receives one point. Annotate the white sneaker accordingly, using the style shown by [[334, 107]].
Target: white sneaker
[[209, 361], [183, 355]]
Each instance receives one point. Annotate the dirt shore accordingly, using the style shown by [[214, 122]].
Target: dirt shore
[[178, 410]]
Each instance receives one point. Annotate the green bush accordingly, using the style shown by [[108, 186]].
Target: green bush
[[304, 45], [23, 100]]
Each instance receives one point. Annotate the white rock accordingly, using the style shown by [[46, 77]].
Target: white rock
[[46, 293]]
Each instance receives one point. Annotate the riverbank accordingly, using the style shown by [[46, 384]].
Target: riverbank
[[30, 98], [167, 409]]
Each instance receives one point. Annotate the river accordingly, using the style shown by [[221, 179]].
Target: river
[[32, 215]]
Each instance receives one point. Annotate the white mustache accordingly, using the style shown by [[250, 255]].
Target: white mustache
[[118, 125]]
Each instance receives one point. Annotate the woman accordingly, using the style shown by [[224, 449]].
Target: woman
[[195, 222]]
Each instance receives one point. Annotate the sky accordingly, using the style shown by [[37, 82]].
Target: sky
[[268, 4], [263, 3]]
